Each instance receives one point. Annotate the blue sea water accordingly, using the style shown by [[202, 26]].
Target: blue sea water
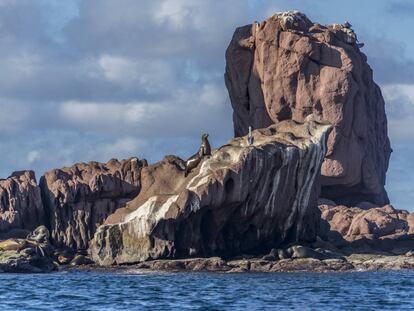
[[208, 291]]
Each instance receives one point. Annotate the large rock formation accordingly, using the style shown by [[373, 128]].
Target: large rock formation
[[244, 198], [287, 67], [79, 198], [20, 203]]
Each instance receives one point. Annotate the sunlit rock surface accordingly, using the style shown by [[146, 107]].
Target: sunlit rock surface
[[367, 228], [288, 67], [244, 198], [79, 198], [21, 208]]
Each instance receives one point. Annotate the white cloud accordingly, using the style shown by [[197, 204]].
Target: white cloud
[[186, 111], [14, 115], [213, 96], [108, 116], [123, 147], [117, 68], [174, 11], [33, 156], [392, 92], [399, 100]]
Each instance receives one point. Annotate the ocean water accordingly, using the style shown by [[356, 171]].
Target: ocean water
[[208, 291]]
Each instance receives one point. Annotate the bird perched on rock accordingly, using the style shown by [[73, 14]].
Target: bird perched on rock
[[347, 25]]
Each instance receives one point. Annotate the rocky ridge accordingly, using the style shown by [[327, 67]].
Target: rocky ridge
[[79, 198], [21, 208], [71, 201], [244, 198]]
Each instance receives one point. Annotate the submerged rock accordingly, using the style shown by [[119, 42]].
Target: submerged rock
[[288, 67], [244, 198]]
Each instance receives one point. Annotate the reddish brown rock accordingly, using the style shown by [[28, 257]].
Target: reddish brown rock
[[410, 222], [244, 198], [287, 67], [353, 223], [20, 202], [80, 197]]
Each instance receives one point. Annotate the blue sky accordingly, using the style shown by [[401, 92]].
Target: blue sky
[[92, 80]]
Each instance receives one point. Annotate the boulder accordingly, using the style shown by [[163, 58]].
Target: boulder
[[243, 198], [376, 229], [21, 208], [353, 223], [19, 262], [378, 222], [288, 67], [79, 198]]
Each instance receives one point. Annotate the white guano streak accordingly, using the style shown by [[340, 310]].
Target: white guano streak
[[145, 216]]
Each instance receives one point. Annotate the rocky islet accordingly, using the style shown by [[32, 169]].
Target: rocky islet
[[253, 202], [288, 67]]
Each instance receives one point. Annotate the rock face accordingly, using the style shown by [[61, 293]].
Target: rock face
[[79, 198], [353, 223], [20, 203], [244, 198], [375, 228], [287, 67]]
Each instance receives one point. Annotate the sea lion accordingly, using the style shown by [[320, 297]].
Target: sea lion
[[195, 159], [39, 239], [12, 245], [39, 235], [205, 146], [299, 251]]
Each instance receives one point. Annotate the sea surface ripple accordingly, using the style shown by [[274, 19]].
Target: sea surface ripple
[[392, 290]]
